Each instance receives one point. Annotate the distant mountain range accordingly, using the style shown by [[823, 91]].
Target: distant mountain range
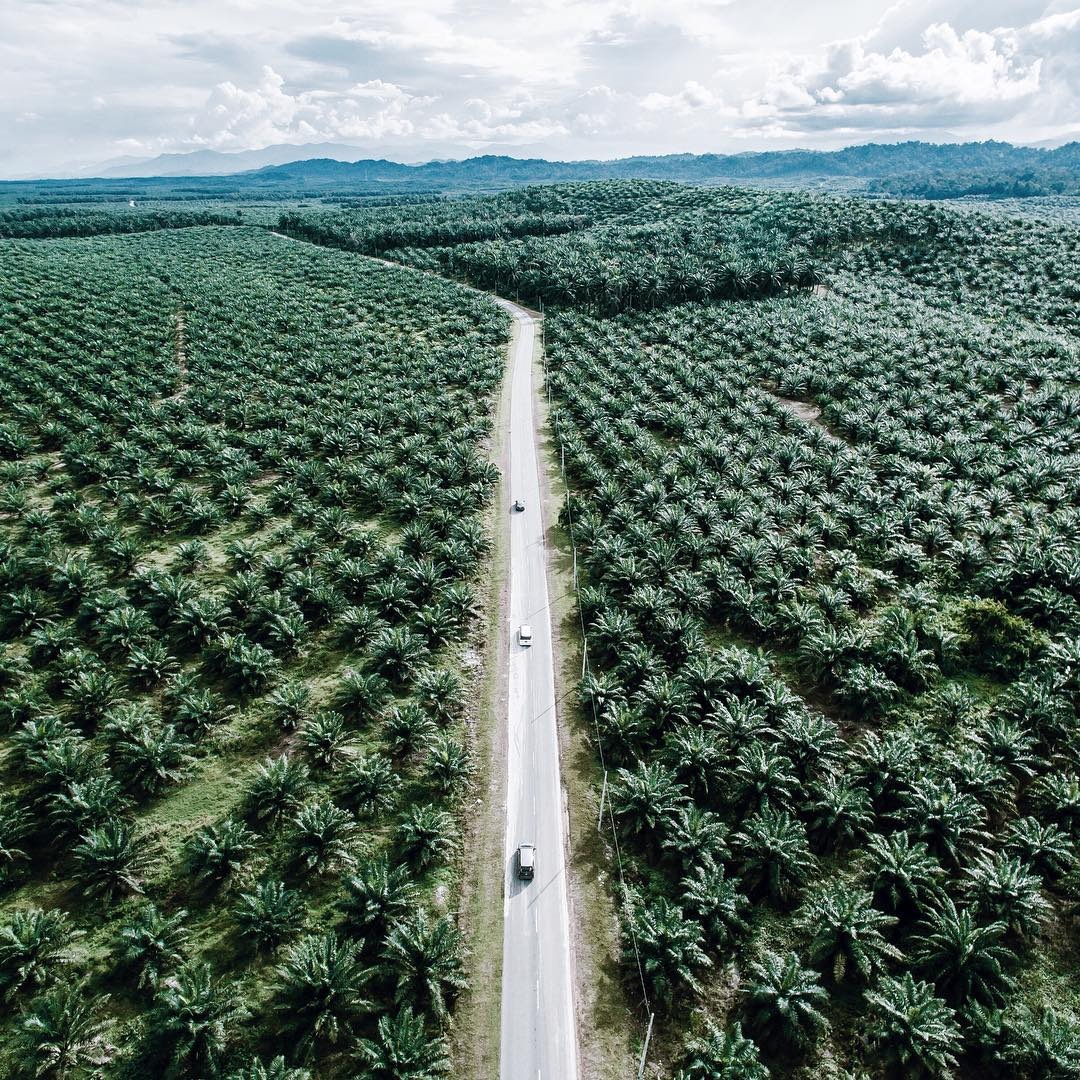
[[1056, 169], [221, 163]]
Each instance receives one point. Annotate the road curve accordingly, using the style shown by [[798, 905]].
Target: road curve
[[539, 1034]]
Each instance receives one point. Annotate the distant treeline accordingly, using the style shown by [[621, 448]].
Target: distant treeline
[[48, 221], [994, 184], [427, 225]]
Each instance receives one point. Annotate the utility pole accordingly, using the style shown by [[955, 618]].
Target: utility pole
[[645, 1048]]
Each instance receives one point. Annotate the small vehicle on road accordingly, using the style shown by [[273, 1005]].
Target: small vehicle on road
[[518, 506], [525, 634], [526, 862]]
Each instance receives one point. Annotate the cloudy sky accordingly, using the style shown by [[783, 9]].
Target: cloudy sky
[[87, 81]]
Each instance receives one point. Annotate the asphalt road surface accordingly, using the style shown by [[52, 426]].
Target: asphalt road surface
[[539, 1038]]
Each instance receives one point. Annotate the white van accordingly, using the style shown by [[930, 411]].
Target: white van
[[525, 634], [526, 862]]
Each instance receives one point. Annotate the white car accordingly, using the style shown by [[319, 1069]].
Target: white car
[[525, 634]]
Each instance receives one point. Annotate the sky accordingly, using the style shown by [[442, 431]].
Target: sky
[[84, 82]]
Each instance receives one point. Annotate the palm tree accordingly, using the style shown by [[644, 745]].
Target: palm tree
[[439, 692], [784, 1001], [277, 787], [326, 740], [62, 1034], [774, 853], [377, 895], [147, 755], [1045, 847], [408, 728], [762, 777], [1003, 889], [965, 961], [323, 837], [424, 957], [33, 944], [841, 812], [198, 1018], [289, 704], [108, 861], [717, 902], [91, 694], [694, 753], [320, 990], [910, 1031], [1041, 1044], [447, 765], [196, 710], [720, 1055], [427, 835], [15, 827], [668, 946], [276, 1070], [888, 763], [153, 943], [950, 821], [403, 1050], [218, 852], [1058, 797], [692, 836], [903, 876], [396, 653], [268, 914], [847, 930], [1008, 744], [371, 784], [643, 798], [362, 695]]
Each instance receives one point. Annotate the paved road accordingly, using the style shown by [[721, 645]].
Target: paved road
[[539, 1037]]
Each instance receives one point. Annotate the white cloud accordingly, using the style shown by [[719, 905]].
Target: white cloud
[[238, 118], [415, 79], [953, 78], [692, 96]]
